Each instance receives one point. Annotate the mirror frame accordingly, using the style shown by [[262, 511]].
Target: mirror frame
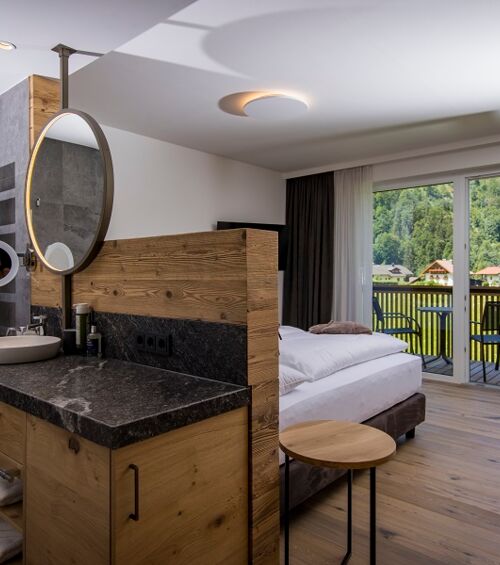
[[107, 200], [15, 264]]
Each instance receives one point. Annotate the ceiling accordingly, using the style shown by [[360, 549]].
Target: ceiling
[[89, 25], [381, 76]]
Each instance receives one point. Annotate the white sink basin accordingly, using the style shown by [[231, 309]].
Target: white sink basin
[[28, 348]]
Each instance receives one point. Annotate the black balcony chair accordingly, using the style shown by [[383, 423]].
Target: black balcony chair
[[412, 327], [489, 332]]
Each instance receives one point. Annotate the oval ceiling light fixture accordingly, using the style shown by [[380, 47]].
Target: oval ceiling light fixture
[[275, 107], [7, 46]]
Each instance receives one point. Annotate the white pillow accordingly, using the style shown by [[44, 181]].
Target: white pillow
[[318, 356], [287, 332], [290, 378]]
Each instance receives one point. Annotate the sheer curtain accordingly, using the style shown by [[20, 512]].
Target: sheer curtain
[[353, 229]]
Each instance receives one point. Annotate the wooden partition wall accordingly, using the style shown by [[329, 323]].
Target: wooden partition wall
[[225, 277], [229, 277], [44, 102]]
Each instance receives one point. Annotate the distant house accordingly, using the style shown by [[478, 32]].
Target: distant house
[[394, 274], [438, 272], [489, 275]]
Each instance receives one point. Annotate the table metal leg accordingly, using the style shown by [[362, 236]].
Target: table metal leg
[[347, 556], [442, 337], [287, 510], [373, 515]]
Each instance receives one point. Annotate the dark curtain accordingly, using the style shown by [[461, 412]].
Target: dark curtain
[[308, 288]]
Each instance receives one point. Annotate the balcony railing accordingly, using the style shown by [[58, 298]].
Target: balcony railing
[[406, 299]]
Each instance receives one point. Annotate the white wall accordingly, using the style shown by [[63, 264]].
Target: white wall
[[473, 158], [457, 156], [162, 189]]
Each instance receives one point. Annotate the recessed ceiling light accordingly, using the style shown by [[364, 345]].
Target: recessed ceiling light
[[7, 46], [275, 107]]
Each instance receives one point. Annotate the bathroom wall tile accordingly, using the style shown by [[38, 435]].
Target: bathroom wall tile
[[14, 155], [7, 176]]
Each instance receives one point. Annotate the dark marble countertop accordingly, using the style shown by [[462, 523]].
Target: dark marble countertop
[[114, 403]]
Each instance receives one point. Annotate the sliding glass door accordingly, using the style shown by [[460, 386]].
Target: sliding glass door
[[413, 270], [484, 280]]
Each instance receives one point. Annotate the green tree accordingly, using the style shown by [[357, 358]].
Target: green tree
[[387, 249]]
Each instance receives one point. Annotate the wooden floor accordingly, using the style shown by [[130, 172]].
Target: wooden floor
[[438, 499], [440, 367]]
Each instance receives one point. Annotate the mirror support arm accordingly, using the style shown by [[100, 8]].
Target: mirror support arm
[[66, 298], [28, 259], [65, 53]]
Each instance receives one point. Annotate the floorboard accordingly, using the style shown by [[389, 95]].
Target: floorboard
[[440, 367], [438, 499]]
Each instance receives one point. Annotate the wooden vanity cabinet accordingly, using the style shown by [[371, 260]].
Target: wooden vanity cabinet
[[66, 498], [12, 432], [178, 498]]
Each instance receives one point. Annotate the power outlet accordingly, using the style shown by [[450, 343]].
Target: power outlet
[[162, 345], [140, 342], [154, 343], [150, 343]]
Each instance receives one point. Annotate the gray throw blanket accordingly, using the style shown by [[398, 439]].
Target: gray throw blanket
[[340, 328]]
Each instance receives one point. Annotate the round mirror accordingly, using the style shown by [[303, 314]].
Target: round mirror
[[9, 264], [69, 192]]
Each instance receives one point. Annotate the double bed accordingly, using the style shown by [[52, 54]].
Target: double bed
[[360, 378]]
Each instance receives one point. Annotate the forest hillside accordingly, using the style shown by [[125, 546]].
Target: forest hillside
[[413, 227]]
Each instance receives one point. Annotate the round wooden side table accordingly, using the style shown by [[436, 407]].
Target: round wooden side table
[[341, 445]]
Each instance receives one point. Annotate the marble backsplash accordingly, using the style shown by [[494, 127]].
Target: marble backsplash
[[205, 349]]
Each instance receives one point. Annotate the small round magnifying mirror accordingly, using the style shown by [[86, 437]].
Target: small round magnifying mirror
[[9, 264], [69, 192]]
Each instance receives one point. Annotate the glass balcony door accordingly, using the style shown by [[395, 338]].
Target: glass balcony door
[[484, 279], [413, 272]]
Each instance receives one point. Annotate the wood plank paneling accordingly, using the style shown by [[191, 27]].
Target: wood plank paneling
[[193, 498], [197, 276], [46, 288], [44, 101], [262, 331]]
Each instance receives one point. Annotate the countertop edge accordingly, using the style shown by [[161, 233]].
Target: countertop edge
[[115, 437], [169, 421]]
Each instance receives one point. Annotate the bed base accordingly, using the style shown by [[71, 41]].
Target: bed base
[[401, 419]]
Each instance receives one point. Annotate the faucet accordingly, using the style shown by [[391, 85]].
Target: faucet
[[38, 326]]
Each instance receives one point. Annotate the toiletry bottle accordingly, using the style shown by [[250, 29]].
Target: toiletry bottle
[[82, 323], [94, 343]]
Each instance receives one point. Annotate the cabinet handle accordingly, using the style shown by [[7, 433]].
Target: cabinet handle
[[9, 474], [74, 444], [135, 515]]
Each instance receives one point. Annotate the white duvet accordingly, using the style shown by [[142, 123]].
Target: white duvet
[[318, 356]]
